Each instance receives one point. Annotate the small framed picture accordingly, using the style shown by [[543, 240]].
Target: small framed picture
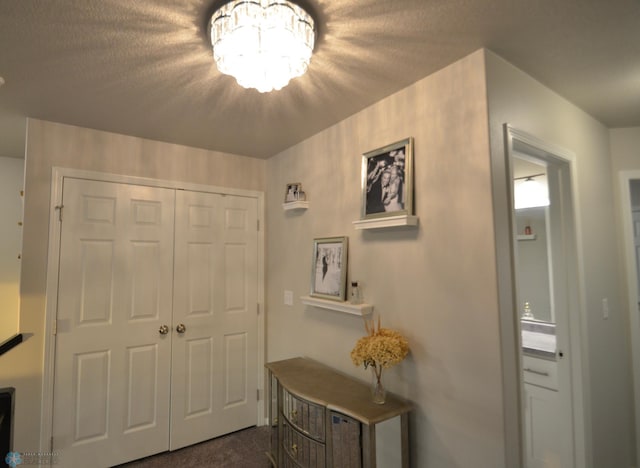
[[387, 180], [329, 268], [293, 192]]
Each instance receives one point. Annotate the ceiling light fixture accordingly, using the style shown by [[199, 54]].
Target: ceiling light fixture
[[529, 193], [262, 43]]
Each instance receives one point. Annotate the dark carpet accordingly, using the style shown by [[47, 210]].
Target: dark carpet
[[242, 449]]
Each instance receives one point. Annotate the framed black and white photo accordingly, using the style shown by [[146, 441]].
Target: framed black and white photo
[[293, 192], [387, 180], [329, 268]]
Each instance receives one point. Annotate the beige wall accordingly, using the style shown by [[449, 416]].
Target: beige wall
[[519, 100], [625, 149], [625, 156], [11, 183], [51, 144], [436, 284]]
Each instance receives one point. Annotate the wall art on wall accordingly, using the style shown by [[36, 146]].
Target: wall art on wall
[[387, 180], [329, 268], [294, 192]]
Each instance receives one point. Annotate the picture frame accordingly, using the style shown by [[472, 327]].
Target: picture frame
[[387, 180], [329, 268], [293, 192]]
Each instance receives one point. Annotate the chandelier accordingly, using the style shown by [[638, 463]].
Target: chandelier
[[262, 43]]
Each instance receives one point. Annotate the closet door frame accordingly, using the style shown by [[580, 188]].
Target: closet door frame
[[58, 175]]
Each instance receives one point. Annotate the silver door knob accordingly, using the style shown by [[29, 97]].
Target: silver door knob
[[181, 328], [163, 330]]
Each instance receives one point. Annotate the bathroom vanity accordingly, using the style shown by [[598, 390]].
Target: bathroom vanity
[[542, 399]]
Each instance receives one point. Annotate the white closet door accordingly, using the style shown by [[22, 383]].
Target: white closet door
[[115, 291], [214, 361]]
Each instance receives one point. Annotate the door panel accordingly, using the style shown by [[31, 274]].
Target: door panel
[[145, 280], [96, 282], [235, 351], [236, 277], [200, 275], [199, 368], [214, 372], [91, 396], [115, 290], [142, 374]]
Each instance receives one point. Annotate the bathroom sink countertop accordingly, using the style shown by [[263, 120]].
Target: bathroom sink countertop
[[539, 339]]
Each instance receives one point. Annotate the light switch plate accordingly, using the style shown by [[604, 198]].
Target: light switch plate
[[288, 298]]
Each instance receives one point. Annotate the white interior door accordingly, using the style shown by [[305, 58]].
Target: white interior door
[[631, 216], [548, 406], [214, 359], [548, 409], [636, 242], [115, 290], [559, 415]]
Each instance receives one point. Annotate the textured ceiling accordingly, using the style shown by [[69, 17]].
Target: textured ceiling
[[144, 67]]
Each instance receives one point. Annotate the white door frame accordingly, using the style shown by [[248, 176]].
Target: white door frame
[[510, 326], [633, 295], [58, 175]]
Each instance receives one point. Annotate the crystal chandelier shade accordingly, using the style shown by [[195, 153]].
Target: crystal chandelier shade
[[262, 43]]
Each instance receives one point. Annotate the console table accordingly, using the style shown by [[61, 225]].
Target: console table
[[322, 418]]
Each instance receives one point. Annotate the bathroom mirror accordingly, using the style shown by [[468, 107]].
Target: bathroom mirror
[[11, 209], [533, 263], [533, 253]]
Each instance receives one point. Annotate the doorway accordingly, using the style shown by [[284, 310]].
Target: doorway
[[546, 301], [166, 306], [630, 202]]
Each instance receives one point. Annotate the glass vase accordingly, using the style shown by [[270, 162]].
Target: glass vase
[[378, 392]]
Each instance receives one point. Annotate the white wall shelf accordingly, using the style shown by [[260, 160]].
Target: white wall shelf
[[345, 307], [295, 205], [526, 237], [386, 222]]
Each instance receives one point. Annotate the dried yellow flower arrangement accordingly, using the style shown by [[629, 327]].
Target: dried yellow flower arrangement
[[380, 349]]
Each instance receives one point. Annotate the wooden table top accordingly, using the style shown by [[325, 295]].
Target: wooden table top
[[320, 384]]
